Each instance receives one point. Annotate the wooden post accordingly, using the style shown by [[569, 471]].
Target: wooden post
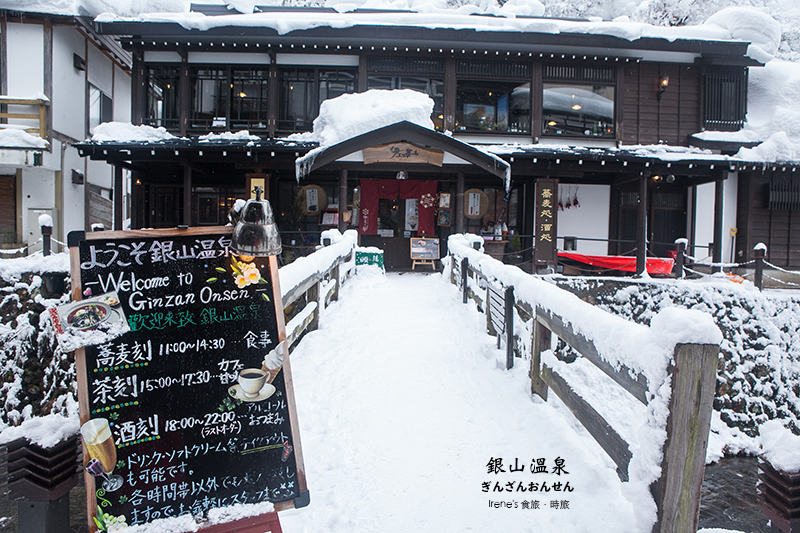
[[641, 228], [488, 311], [342, 199], [187, 195], [313, 296], [541, 342], [458, 212], [118, 198], [47, 233], [719, 200], [464, 278], [677, 492], [680, 258], [509, 327], [335, 275], [759, 254]]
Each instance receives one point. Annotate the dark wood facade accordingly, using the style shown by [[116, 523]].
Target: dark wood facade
[[648, 119], [447, 64], [769, 213]]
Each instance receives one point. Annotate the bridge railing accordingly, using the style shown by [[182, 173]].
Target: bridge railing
[[668, 368], [311, 283]]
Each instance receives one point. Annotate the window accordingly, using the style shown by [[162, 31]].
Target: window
[[304, 89], [495, 106], [209, 98], [163, 97], [432, 87], [249, 102], [229, 97], [572, 109], [100, 108], [725, 102]]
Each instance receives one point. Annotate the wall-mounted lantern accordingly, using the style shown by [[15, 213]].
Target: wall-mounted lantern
[[663, 83]]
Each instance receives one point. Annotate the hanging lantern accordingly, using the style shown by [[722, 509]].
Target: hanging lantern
[[255, 233]]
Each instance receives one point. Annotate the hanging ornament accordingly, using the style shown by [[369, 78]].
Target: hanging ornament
[[569, 202], [427, 200], [575, 198]]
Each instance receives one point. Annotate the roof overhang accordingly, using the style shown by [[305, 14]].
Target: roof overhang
[[165, 34], [408, 132]]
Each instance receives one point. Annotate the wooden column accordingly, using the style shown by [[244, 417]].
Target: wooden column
[[342, 199], [641, 228], [450, 95], [459, 207], [186, 104], [138, 90], [719, 204], [118, 197], [187, 195], [528, 217]]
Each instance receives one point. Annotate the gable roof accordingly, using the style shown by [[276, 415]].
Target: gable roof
[[409, 132]]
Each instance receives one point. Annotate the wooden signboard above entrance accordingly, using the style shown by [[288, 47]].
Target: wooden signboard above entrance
[[193, 408], [402, 153]]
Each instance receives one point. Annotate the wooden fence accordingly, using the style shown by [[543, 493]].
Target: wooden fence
[[39, 105], [305, 299], [691, 372]]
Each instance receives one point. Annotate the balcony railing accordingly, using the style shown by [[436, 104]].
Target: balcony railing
[[40, 106]]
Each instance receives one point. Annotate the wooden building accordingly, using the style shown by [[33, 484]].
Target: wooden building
[[612, 119]]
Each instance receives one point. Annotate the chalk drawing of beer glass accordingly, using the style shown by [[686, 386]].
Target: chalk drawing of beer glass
[[100, 445]]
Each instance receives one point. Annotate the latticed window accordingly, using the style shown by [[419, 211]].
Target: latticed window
[[304, 89], [163, 97], [229, 97], [725, 98]]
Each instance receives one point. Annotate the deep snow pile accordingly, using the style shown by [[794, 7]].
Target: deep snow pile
[[759, 377], [37, 377]]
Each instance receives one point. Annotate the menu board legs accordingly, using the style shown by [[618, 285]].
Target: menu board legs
[[192, 408]]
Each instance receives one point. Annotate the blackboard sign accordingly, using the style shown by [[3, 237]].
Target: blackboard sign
[[193, 408], [424, 248]]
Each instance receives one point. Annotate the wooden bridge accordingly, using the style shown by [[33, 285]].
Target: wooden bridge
[[668, 369]]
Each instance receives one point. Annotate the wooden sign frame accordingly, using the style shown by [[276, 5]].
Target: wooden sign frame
[[104, 245], [423, 258]]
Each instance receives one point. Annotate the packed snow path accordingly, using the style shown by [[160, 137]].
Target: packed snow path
[[403, 402]]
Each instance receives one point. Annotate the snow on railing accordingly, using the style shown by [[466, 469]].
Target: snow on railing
[[310, 283], [657, 450]]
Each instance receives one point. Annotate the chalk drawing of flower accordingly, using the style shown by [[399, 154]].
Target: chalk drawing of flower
[[244, 273]]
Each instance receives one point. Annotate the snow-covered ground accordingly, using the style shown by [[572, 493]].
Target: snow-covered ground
[[405, 410]]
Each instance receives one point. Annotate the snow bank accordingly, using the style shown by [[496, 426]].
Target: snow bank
[[750, 24], [127, 132], [781, 447], [45, 431], [13, 269]]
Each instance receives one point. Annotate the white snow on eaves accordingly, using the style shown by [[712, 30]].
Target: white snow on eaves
[[430, 17], [127, 132], [12, 137]]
